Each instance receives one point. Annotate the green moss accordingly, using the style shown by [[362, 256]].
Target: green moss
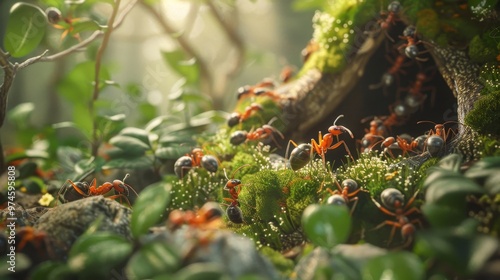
[[428, 23], [489, 76], [485, 116], [285, 266], [481, 50], [488, 146]]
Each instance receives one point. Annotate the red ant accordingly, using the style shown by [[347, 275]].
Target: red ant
[[325, 142], [236, 117], [439, 129], [311, 47], [194, 159], [84, 190], [403, 144], [30, 235], [377, 131], [398, 116], [250, 90], [391, 16], [269, 93], [436, 139], [286, 74], [410, 47], [208, 216], [261, 133], [302, 154], [393, 198], [415, 97], [348, 191], [391, 74], [233, 186]]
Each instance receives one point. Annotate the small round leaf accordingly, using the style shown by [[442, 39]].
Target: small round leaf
[[98, 253], [153, 259], [398, 265], [149, 207], [25, 29], [326, 225]]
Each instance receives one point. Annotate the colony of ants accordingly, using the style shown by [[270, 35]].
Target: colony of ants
[[377, 136]]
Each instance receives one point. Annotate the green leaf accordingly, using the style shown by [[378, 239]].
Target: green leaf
[[28, 154], [25, 29], [99, 253], [326, 225], [153, 259], [451, 162], [492, 184], [483, 168], [442, 216], [149, 207], [154, 123], [143, 162], [85, 25], [137, 133], [34, 185], [201, 271], [52, 270], [171, 152], [83, 119], [445, 186], [77, 86], [188, 69], [210, 116], [466, 253], [397, 265], [132, 145], [20, 115]]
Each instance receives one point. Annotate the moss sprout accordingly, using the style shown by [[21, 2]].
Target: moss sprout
[[484, 116]]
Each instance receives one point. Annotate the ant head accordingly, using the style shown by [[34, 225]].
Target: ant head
[[338, 129]]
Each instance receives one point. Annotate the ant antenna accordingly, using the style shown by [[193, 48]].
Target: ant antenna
[[340, 116]]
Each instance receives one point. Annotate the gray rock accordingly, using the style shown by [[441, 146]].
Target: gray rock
[[65, 223], [237, 253]]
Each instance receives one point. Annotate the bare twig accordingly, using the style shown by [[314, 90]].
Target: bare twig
[[10, 69], [98, 61]]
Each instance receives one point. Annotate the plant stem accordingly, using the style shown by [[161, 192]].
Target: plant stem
[[98, 61]]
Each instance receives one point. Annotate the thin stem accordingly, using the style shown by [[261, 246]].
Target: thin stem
[[98, 61]]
